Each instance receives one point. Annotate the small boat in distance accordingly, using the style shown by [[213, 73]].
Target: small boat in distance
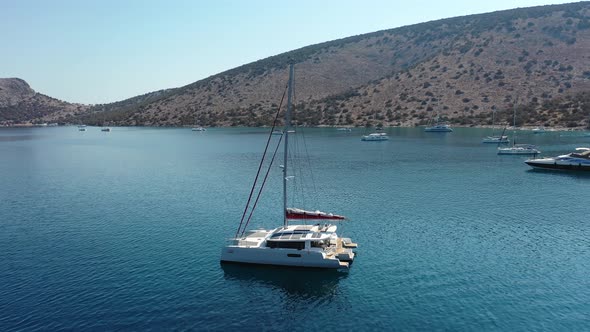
[[539, 130], [277, 132], [303, 245], [574, 161], [439, 128], [197, 126], [495, 139], [375, 137], [520, 149], [105, 129], [344, 129], [82, 128]]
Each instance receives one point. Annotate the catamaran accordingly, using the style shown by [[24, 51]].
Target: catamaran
[[302, 245]]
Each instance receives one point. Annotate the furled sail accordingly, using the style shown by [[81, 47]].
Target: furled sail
[[293, 213]]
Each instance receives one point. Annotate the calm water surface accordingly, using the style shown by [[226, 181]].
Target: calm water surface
[[123, 231]]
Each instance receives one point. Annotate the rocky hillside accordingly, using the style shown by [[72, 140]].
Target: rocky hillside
[[459, 69], [535, 58], [21, 104]]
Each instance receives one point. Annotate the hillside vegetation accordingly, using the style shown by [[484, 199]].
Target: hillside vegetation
[[460, 69], [21, 104]]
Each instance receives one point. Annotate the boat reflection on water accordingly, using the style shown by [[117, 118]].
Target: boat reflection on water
[[301, 282]]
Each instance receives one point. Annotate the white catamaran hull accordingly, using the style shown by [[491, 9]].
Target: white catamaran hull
[[283, 257]]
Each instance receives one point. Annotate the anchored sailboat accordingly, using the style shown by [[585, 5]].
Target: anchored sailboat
[[498, 139], [300, 245], [197, 127], [518, 149], [438, 127]]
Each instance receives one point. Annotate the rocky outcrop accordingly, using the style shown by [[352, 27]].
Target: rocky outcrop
[[19, 104], [14, 91]]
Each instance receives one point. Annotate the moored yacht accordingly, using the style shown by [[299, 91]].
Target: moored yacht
[[520, 149], [577, 161], [317, 246], [375, 137], [435, 126], [439, 128], [496, 139], [292, 245]]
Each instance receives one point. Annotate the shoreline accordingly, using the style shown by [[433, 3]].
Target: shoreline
[[524, 128]]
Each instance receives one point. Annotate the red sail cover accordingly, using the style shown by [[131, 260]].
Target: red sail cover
[[293, 213]]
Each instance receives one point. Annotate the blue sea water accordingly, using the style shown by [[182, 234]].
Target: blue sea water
[[123, 231]]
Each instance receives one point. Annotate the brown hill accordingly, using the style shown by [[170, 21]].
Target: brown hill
[[460, 68], [19, 104]]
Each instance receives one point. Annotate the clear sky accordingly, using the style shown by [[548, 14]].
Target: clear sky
[[100, 51]]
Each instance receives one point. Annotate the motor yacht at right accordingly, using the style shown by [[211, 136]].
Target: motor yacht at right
[[578, 160]]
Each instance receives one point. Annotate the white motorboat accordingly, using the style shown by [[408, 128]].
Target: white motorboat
[[344, 129], [375, 137], [439, 128], [317, 246], [82, 128], [576, 161], [539, 130], [199, 129]]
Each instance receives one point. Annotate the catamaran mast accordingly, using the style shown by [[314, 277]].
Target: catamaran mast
[[286, 138]]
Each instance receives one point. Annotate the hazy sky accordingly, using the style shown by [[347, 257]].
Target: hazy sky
[[99, 51]]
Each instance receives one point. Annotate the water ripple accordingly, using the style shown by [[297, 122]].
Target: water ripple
[[124, 233]]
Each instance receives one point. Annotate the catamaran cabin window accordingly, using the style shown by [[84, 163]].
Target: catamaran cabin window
[[318, 244], [286, 244]]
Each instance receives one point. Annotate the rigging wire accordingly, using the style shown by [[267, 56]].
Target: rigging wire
[[261, 162], [305, 152], [262, 185]]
